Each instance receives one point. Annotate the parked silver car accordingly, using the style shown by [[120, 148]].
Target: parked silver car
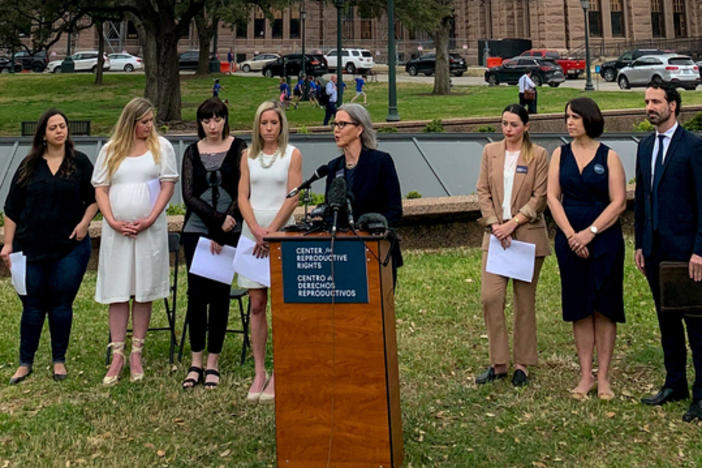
[[677, 70]]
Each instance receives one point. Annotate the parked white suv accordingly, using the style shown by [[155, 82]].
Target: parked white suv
[[352, 60], [83, 61]]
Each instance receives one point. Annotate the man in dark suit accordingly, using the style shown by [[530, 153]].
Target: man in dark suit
[[668, 226]]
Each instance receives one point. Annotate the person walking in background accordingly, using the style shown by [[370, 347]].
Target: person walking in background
[[586, 196], [284, 96], [330, 90], [360, 83], [512, 197], [210, 181], [133, 262], [216, 89], [231, 60], [668, 227], [47, 214], [270, 169], [527, 92]]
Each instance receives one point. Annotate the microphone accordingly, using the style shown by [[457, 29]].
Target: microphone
[[336, 198], [374, 223], [349, 211], [321, 171], [319, 211]]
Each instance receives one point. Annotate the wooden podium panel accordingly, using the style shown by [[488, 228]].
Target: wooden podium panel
[[336, 374]]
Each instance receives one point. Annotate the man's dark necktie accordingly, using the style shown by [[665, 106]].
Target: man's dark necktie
[[657, 174]]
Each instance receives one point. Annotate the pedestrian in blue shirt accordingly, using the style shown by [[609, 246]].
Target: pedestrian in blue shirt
[[284, 93], [360, 82], [216, 88]]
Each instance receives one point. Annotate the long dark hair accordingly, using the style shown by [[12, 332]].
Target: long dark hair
[[527, 145], [30, 162]]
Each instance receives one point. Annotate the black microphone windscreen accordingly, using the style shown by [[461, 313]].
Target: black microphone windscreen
[[322, 171], [372, 222], [336, 196]]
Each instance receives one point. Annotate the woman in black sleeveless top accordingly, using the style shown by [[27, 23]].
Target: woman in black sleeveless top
[[586, 196]]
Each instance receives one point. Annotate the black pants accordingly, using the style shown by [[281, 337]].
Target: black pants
[[673, 335], [203, 292], [528, 105], [329, 112]]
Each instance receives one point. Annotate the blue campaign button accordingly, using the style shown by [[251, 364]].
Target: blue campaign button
[[599, 169]]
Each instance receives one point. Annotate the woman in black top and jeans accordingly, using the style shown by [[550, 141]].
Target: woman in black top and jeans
[[47, 215], [210, 179]]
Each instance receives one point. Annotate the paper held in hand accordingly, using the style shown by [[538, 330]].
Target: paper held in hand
[[516, 261], [218, 267]]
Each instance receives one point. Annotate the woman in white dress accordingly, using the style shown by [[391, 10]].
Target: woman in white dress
[[269, 171], [133, 262]]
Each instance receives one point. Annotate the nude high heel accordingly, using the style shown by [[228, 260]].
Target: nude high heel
[[117, 350], [137, 347]]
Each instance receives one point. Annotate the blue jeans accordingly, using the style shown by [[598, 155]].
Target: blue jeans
[[52, 286]]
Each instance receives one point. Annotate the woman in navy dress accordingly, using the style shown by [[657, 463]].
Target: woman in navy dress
[[586, 196]]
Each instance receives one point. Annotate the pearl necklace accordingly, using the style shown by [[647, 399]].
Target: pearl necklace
[[264, 165]]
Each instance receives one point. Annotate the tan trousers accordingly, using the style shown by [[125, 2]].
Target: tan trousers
[[493, 291]]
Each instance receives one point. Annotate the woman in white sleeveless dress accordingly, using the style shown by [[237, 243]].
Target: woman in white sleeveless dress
[[133, 260], [269, 171]]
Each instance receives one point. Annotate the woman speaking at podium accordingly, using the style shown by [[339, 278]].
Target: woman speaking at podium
[[370, 174], [270, 169]]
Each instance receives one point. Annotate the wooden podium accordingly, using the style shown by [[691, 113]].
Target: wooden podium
[[337, 396]]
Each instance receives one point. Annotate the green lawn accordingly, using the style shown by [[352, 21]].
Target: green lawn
[[26, 96], [447, 420]]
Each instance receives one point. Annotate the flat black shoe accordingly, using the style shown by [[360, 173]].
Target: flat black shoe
[[16, 380], [694, 412], [520, 379], [211, 385], [488, 376], [60, 377], [192, 382], [666, 395]]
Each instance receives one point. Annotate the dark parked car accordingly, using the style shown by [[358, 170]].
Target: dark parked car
[[36, 63], [291, 65], [189, 60], [609, 70], [427, 63], [5, 65], [543, 71]]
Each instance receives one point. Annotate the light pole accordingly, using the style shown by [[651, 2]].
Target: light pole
[[339, 75], [393, 116], [588, 78], [305, 84]]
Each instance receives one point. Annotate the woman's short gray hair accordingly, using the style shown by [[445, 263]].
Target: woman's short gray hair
[[360, 115]]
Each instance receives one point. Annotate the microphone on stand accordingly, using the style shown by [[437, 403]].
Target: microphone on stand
[[336, 199], [321, 171], [349, 211]]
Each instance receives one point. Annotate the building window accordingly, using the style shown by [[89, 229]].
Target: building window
[[657, 19], [259, 28], [347, 26], [617, 9], [241, 30], [294, 23], [277, 28], [679, 19], [594, 17]]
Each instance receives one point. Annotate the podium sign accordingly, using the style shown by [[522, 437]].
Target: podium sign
[[307, 275]]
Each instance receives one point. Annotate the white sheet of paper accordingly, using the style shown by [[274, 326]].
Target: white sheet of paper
[[18, 270], [516, 262], [246, 263], [218, 267], [154, 189]]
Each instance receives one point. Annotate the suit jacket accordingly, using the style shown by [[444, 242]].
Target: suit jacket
[[679, 198], [375, 188], [528, 194]]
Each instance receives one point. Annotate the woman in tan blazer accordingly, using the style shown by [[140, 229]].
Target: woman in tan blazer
[[512, 196]]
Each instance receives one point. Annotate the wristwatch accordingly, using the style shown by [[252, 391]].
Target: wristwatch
[[594, 230]]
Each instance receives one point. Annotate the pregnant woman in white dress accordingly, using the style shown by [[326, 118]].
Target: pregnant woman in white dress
[[133, 261], [269, 171]]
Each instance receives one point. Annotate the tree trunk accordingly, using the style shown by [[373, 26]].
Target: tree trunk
[[168, 100], [101, 52], [441, 72], [204, 37], [148, 41]]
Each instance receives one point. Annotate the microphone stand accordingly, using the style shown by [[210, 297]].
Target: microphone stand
[[306, 201]]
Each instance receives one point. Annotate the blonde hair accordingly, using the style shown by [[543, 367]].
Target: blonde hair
[[256, 141], [122, 137]]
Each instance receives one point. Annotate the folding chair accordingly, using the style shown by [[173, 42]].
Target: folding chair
[[169, 301], [238, 295]]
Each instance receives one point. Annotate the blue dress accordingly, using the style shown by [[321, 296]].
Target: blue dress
[[595, 283]]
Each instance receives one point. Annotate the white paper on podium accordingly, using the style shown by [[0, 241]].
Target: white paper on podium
[[516, 261], [246, 263], [217, 267], [18, 270], [154, 189]]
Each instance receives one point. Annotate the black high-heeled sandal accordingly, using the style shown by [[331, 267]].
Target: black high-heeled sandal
[[211, 385], [191, 381]]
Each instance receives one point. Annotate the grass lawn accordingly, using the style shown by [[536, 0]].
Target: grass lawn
[[447, 420], [26, 96]]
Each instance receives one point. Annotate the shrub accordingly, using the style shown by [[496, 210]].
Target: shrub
[[643, 126], [413, 194], [387, 130], [175, 209], [435, 126], [303, 130], [163, 129], [486, 129], [315, 199], [694, 124], [2, 218]]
